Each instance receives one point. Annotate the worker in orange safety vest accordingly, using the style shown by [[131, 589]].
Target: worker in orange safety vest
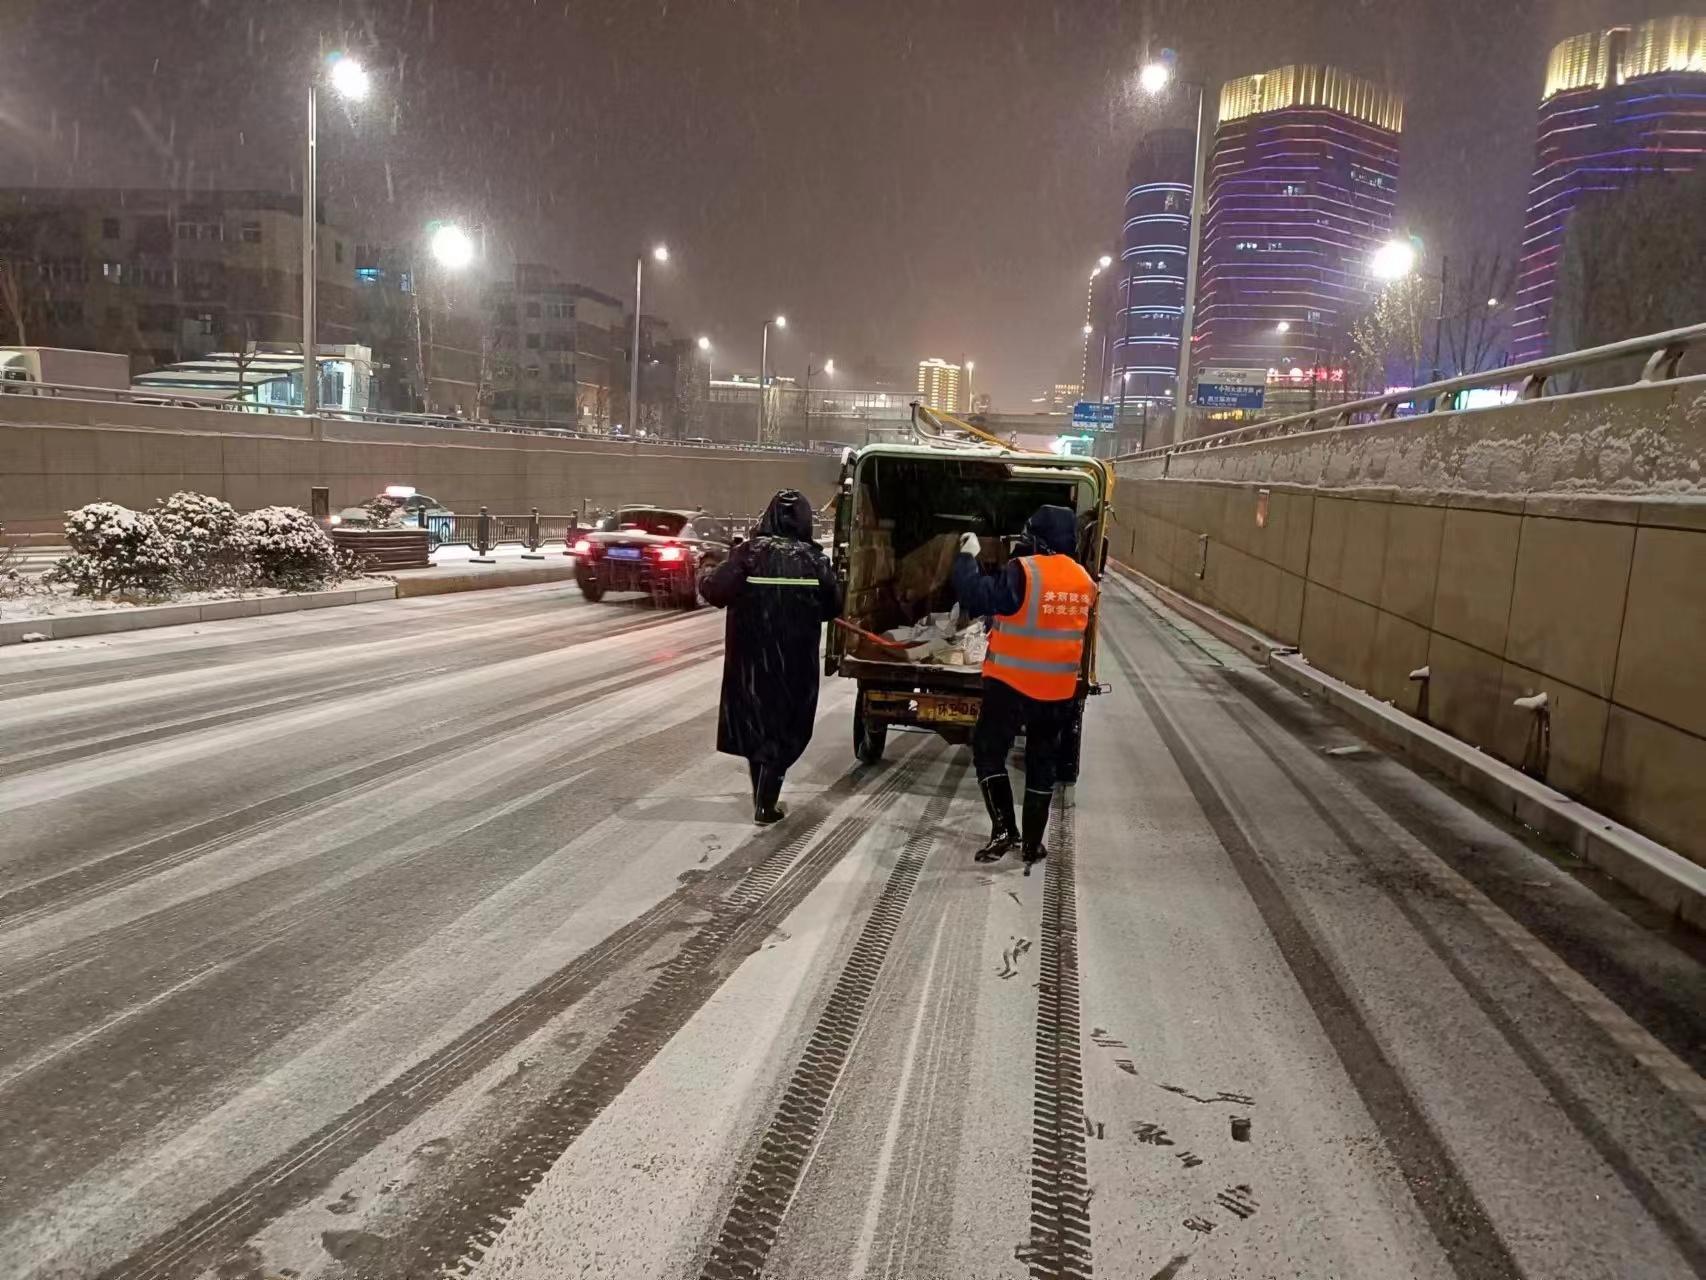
[[1040, 610]]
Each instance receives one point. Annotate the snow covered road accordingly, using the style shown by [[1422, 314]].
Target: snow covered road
[[432, 937]]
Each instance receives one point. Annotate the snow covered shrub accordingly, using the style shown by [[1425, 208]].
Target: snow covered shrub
[[353, 564], [14, 582], [114, 549], [385, 512], [287, 548], [202, 533]]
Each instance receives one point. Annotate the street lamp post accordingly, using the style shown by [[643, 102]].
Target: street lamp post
[[705, 348], [1089, 305], [1397, 260], [1155, 78], [781, 322], [452, 249], [659, 254], [349, 80], [828, 369]]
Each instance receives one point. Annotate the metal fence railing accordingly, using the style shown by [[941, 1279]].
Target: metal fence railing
[[163, 398], [484, 530], [1661, 353]]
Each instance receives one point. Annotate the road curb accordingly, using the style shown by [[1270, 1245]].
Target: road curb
[[147, 617], [1654, 871], [451, 581]]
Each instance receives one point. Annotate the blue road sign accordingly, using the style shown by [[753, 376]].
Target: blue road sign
[[1231, 388], [1094, 413]]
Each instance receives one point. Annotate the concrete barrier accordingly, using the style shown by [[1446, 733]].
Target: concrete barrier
[[58, 454], [1451, 603]]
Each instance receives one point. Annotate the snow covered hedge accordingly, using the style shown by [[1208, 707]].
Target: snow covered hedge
[[114, 550], [206, 545], [287, 548], [194, 542]]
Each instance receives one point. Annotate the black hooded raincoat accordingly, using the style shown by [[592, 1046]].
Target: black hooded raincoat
[[779, 590]]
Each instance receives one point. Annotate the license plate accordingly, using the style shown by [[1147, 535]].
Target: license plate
[[624, 553], [947, 710]]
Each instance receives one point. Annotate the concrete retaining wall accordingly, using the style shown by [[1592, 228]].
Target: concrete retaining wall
[[58, 454], [1598, 601]]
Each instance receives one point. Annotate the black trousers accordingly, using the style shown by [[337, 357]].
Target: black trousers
[[1005, 714]]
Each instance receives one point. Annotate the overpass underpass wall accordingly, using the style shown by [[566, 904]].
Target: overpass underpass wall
[[1557, 546], [58, 454]]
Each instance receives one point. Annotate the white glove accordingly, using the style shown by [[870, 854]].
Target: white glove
[[969, 545]]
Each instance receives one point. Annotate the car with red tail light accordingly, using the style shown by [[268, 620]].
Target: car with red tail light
[[651, 550]]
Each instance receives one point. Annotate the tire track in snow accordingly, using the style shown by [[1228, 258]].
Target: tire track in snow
[[756, 884], [761, 1201], [59, 891]]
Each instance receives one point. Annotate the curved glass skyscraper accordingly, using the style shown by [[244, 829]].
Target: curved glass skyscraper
[[1619, 105], [1301, 187]]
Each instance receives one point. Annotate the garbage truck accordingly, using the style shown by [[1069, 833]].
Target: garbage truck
[[900, 512]]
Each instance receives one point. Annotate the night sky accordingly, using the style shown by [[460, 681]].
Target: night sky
[[902, 177]]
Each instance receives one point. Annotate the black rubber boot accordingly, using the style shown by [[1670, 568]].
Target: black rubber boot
[[1003, 826], [767, 808], [1036, 822]]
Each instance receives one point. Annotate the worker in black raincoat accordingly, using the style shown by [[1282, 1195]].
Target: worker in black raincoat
[[779, 590]]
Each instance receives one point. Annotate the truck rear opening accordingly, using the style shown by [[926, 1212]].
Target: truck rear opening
[[909, 514], [901, 512]]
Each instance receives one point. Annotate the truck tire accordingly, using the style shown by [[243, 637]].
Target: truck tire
[[869, 736], [1071, 746]]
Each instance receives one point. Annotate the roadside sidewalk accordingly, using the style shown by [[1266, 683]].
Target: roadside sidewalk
[[454, 569], [450, 574]]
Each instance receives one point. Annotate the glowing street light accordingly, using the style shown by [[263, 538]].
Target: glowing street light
[[704, 343], [452, 247], [829, 366], [1284, 326], [660, 253], [1104, 262], [1393, 260], [781, 322], [1156, 78], [349, 80]]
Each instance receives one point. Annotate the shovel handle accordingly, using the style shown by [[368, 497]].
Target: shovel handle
[[870, 635]]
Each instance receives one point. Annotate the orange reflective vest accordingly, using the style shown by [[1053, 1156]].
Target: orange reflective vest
[[1040, 649]]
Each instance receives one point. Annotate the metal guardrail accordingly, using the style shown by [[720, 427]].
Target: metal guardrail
[[444, 422], [484, 531], [1663, 351]]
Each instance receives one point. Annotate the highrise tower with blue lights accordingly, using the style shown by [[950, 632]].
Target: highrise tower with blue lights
[[1149, 290]]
